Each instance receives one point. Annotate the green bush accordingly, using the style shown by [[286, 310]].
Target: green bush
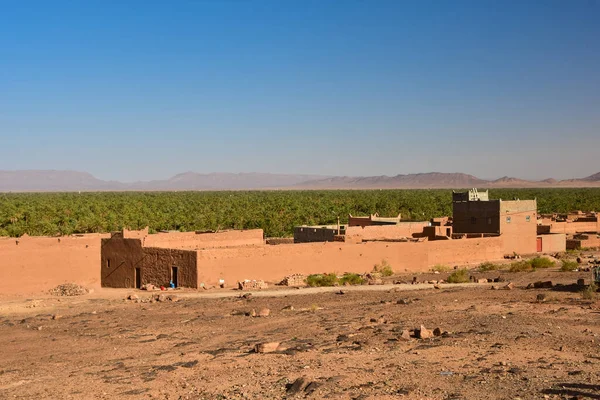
[[521, 266], [542, 262], [458, 276], [531, 265], [569, 266], [488, 266], [318, 280], [589, 293], [351, 279], [322, 280], [440, 268], [385, 269]]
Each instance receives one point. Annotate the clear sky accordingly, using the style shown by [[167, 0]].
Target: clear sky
[[132, 90]]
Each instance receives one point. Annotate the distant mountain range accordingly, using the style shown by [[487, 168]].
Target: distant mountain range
[[70, 181]]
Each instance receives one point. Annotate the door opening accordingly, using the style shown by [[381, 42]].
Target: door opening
[[138, 278], [174, 271], [539, 245]]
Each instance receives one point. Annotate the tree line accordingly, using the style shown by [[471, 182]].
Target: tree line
[[276, 212]]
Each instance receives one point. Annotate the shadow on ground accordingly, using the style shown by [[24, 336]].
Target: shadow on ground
[[576, 390]]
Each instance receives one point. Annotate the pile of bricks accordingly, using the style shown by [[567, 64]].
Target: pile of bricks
[[294, 280], [251, 285]]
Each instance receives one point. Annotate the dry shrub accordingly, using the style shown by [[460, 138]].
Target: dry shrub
[[458, 276], [385, 269]]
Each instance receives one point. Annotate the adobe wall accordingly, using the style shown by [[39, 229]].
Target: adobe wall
[[182, 240], [374, 232], [38, 264], [570, 227], [518, 226], [369, 221], [476, 216], [120, 257], [553, 243], [307, 234], [465, 251], [584, 241], [272, 263]]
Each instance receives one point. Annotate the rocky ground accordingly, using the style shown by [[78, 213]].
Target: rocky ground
[[357, 344]]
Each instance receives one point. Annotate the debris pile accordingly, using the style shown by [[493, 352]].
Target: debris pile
[[373, 278], [294, 280], [69, 289], [154, 298], [251, 285]]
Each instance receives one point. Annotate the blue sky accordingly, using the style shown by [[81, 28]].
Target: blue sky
[[136, 90]]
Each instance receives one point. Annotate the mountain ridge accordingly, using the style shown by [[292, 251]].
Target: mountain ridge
[[72, 181]]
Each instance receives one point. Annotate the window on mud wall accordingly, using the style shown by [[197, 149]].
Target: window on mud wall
[[473, 220], [508, 220], [108, 263], [527, 218]]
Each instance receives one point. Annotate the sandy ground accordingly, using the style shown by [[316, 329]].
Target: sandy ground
[[498, 344]]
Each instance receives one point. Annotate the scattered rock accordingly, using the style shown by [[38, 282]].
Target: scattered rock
[[56, 316], [311, 387], [404, 301], [437, 332], [297, 386], [69, 289], [482, 280], [133, 297], [160, 297], [540, 298], [268, 347], [173, 297], [509, 286], [542, 285], [288, 308], [252, 285], [423, 333], [264, 312], [405, 334], [373, 278], [379, 320]]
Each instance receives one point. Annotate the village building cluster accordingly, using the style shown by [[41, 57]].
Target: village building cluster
[[480, 229]]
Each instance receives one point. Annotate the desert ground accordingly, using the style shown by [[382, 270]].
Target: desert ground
[[330, 343]]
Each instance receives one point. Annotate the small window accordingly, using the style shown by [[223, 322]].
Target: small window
[[508, 220], [489, 220], [528, 218], [473, 220], [108, 263]]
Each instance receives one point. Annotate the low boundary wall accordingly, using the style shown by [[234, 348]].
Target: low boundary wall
[[272, 263], [33, 264]]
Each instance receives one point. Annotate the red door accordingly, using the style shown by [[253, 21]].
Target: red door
[[539, 245]]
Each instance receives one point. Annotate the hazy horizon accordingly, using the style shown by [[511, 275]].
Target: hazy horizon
[[136, 91]]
